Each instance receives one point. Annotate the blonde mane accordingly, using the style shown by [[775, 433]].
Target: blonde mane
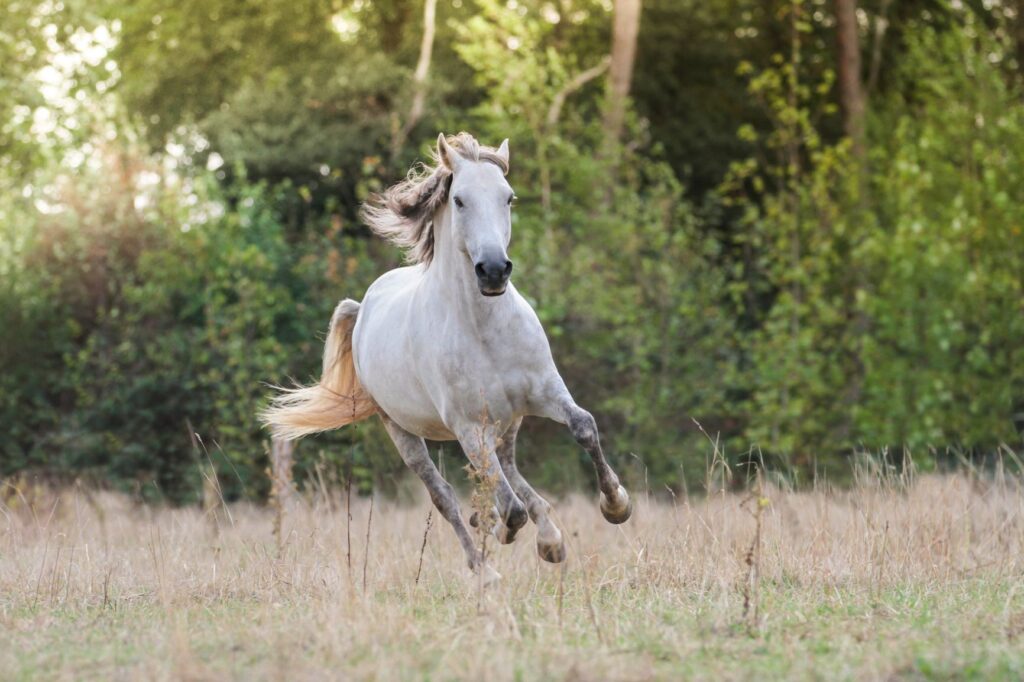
[[404, 213]]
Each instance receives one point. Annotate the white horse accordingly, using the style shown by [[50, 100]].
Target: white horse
[[447, 349]]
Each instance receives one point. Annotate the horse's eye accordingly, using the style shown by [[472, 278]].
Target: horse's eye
[[458, 202]]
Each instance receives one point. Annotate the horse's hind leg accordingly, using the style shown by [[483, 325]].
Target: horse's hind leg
[[480, 446], [549, 538], [615, 504], [414, 453]]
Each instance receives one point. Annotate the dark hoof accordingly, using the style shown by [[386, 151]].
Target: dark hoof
[[620, 511], [517, 518], [507, 529], [553, 553], [505, 535]]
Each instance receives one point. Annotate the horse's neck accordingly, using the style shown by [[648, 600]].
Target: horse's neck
[[452, 279]]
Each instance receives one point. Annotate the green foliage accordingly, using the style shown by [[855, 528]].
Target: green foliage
[[21, 52], [798, 280], [687, 56], [885, 302], [308, 92], [142, 326], [944, 363], [178, 219], [181, 59]]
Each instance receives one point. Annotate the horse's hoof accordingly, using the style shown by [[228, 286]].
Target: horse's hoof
[[549, 542], [506, 530], [553, 553], [620, 510], [517, 518], [505, 535]]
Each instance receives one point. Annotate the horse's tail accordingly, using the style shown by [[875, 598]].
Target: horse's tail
[[338, 399]]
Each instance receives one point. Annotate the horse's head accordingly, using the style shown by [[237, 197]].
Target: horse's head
[[479, 202]]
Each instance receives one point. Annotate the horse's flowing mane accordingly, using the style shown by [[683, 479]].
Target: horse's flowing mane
[[404, 213]]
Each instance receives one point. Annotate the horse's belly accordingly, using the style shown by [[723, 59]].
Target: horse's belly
[[430, 429], [417, 416]]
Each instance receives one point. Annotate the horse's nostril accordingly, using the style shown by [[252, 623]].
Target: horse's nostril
[[494, 272]]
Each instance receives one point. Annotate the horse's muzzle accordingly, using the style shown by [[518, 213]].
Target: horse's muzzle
[[492, 276]]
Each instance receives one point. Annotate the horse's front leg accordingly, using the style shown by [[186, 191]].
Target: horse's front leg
[[615, 504], [549, 538], [480, 445]]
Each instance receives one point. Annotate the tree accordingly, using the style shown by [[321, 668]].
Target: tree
[[851, 92], [625, 28]]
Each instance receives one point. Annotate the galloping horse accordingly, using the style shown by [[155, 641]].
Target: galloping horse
[[447, 349]]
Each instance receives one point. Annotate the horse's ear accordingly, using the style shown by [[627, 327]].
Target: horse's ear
[[503, 151], [448, 156]]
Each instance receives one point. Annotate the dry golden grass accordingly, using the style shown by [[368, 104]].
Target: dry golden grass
[[915, 579]]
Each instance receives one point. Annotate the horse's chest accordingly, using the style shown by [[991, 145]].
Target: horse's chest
[[488, 373]]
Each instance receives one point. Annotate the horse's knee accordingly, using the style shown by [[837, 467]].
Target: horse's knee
[[584, 429]]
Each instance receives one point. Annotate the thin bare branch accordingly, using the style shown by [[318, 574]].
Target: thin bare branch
[[419, 78], [581, 79]]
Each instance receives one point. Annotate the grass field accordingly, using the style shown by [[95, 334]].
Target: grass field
[[916, 579]]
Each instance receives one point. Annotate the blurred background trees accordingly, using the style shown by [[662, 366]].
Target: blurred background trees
[[794, 227]]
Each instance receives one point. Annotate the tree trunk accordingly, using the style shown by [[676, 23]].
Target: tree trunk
[[282, 488], [625, 27], [852, 100], [851, 92]]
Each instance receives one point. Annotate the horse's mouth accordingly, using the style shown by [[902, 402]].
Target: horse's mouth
[[492, 292]]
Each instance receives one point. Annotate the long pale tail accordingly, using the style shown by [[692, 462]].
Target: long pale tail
[[338, 399]]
